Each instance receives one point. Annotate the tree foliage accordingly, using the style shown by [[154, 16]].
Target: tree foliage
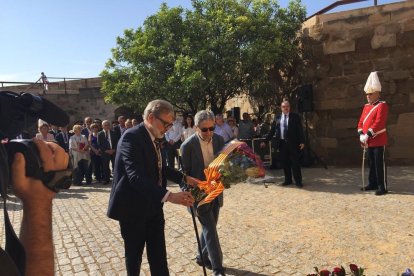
[[204, 56]]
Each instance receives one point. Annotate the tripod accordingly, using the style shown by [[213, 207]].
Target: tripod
[[310, 155]]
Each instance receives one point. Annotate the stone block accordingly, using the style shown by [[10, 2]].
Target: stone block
[[405, 39], [364, 67], [397, 152], [404, 141], [405, 125], [383, 41], [383, 64], [334, 104], [396, 75], [363, 44], [379, 18], [408, 25], [338, 46], [404, 86], [366, 31], [405, 61], [402, 14], [345, 123]]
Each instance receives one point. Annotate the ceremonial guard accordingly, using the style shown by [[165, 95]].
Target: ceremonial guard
[[373, 135]]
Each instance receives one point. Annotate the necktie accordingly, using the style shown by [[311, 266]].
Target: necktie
[[109, 139], [285, 127], [158, 150]]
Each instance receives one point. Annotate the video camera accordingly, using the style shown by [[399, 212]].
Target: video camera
[[18, 112]]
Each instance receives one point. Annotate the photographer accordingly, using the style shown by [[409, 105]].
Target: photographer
[[36, 228]]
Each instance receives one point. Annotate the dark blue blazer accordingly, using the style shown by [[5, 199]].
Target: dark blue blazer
[[295, 130], [135, 191], [61, 141]]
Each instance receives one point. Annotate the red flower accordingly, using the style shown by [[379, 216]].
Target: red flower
[[324, 273], [353, 267], [338, 271]]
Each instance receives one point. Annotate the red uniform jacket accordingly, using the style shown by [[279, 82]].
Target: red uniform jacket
[[373, 121]]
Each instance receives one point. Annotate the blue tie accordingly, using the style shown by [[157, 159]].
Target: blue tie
[[285, 127]]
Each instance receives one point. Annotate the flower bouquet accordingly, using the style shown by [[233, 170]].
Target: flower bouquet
[[340, 271], [236, 163]]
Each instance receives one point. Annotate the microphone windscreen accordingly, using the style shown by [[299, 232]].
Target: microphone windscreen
[[52, 114]]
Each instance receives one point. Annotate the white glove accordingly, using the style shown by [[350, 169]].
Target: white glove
[[363, 138]]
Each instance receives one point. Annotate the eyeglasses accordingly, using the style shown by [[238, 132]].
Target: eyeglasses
[[166, 124], [205, 129]]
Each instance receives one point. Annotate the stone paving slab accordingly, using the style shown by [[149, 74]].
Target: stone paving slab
[[263, 231]]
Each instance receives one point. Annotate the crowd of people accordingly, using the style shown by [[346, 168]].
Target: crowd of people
[[90, 143]]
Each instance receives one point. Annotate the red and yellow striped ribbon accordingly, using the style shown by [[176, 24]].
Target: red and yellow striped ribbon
[[212, 186]]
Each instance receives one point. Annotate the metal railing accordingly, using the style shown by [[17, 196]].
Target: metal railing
[[336, 4], [39, 84]]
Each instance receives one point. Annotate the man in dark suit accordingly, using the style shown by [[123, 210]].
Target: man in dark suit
[[139, 189], [107, 142], [197, 152], [62, 138], [290, 142], [87, 127], [121, 127]]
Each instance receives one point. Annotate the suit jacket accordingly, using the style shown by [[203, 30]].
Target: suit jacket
[[192, 156], [86, 132], [61, 141], [118, 131], [103, 143], [295, 130], [135, 192]]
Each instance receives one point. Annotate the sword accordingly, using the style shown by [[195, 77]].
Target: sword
[[363, 167]]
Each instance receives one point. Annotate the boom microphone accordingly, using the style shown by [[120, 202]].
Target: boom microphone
[[44, 109]]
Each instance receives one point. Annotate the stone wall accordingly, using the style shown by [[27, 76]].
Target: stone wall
[[344, 48]]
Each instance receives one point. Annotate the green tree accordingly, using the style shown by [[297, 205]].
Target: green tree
[[202, 57]]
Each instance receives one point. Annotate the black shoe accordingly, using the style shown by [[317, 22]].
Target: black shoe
[[369, 188], [207, 263], [299, 185], [380, 192], [286, 183]]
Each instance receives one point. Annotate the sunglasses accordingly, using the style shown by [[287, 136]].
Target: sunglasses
[[205, 129], [166, 125]]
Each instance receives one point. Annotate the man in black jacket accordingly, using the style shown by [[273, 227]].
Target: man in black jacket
[[107, 142], [139, 189], [290, 142]]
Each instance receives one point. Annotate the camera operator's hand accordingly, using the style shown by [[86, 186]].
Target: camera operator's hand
[[36, 228], [29, 189]]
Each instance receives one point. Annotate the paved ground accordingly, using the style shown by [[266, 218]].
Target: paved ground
[[263, 231]]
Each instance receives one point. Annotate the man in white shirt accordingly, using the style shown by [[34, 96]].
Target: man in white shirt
[[223, 129], [173, 138]]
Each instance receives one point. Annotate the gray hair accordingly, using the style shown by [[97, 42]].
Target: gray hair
[[203, 115], [158, 107]]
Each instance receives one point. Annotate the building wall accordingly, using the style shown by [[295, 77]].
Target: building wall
[[344, 48]]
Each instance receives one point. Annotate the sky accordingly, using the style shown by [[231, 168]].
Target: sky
[[73, 39]]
